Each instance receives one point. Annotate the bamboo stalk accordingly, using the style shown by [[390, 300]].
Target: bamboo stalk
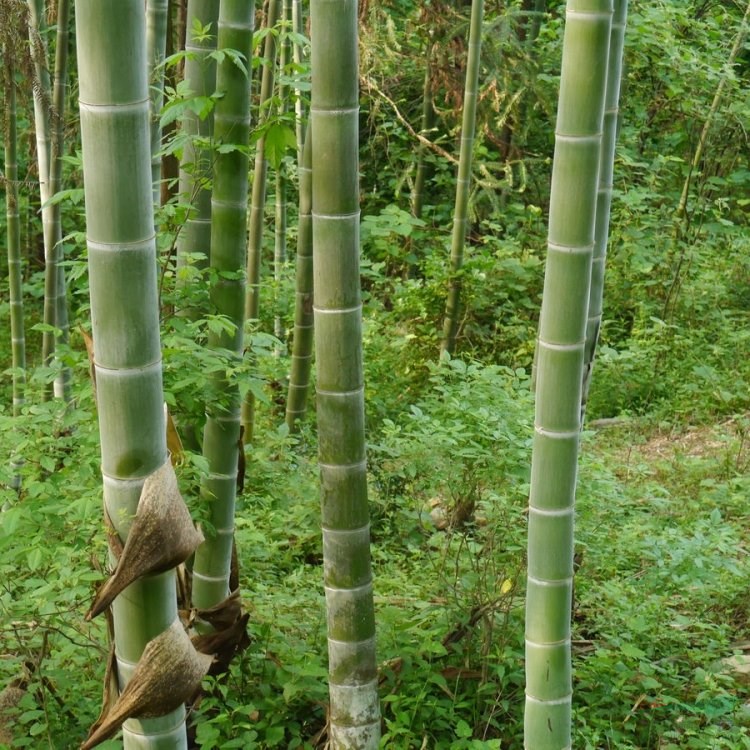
[[258, 203], [297, 57], [156, 48], [302, 340], [221, 440], [560, 347], [604, 194], [463, 181], [280, 226], [428, 122], [115, 135], [15, 278], [354, 710], [195, 166]]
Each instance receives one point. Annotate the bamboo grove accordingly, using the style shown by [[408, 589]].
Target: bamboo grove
[[222, 328]]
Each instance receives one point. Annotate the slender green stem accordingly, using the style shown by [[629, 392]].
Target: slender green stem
[[297, 57], [17, 335], [302, 341], [258, 203], [428, 122], [560, 347], [221, 439], [354, 710], [279, 254], [463, 181], [57, 272], [115, 135], [604, 194], [156, 48], [42, 92]]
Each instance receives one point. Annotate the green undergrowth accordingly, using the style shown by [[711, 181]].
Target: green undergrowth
[[660, 594]]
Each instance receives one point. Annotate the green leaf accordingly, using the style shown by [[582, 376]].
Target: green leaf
[[280, 140]]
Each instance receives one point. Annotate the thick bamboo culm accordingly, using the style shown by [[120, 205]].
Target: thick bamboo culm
[[115, 135], [560, 347], [334, 114]]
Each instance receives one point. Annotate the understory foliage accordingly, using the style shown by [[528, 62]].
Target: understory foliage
[[662, 566]]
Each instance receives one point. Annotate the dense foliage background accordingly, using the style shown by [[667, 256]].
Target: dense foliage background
[[661, 591]]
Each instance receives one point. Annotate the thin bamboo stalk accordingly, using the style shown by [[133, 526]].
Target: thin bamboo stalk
[[115, 135], [156, 48], [428, 122], [302, 340], [42, 93], [280, 226], [463, 181], [258, 203], [221, 440], [15, 278], [354, 710], [298, 58], [560, 347], [57, 272], [604, 194]]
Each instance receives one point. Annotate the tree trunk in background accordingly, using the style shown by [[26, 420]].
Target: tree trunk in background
[[115, 133], [560, 348], [604, 195], [221, 439], [463, 181], [354, 710]]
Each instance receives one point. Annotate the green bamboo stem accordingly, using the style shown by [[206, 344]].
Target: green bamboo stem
[[258, 203], [42, 93], [115, 135], [279, 251], [221, 437], [17, 335], [258, 197], [560, 347], [428, 123], [57, 272], [194, 239], [302, 340], [463, 181], [297, 57], [49, 111], [354, 710], [156, 49], [604, 194]]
